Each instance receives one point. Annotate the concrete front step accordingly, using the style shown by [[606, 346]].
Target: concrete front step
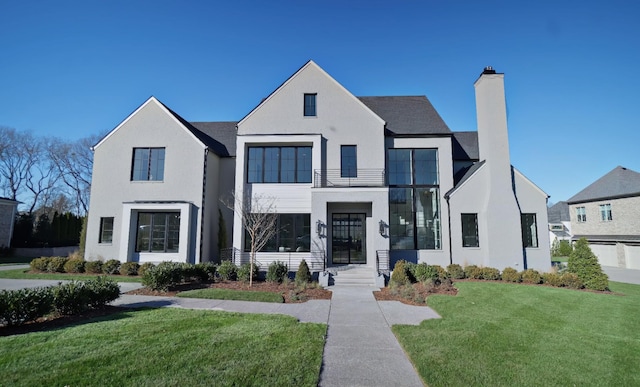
[[359, 276]]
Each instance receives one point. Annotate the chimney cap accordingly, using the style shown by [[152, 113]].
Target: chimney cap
[[489, 70]]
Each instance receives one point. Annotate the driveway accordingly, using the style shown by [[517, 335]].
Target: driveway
[[619, 274]]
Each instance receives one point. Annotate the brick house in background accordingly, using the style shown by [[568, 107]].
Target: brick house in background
[[607, 214]]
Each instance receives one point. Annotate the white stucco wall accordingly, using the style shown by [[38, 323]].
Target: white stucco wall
[[7, 218], [149, 126]]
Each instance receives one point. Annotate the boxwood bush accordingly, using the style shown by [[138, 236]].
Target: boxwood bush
[[423, 272], [510, 274], [129, 268], [552, 279], [40, 264], [571, 280], [144, 267], [244, 272], [473, 272], [399, 275], [531, 276], [111, 267], [455, 271], [227, 271], [74, 265], [163, 276], [490, 273], [277, 272], [20, 306], [209, 268], [56, 264], [93, 267]]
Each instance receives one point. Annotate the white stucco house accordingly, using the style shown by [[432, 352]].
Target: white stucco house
[[355, 180], [8, 209]]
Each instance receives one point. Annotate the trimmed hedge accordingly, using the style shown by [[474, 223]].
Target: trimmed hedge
[[56, 264], [94, 267], [112, 267], [129, 268], [531, 276], [20, 306], [74, 265], [510, 274], [455, 271], [40, 264]]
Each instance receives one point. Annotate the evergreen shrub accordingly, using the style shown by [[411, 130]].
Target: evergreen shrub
[[584, 263], [277, 272], [303, 275], [423, 272], [112, 266], [490, 273], [571, 281], [74, 265], [399, 275], [244, 272], [510, 274], [552, 279], [40, 264], [531, 276], [129, 268], [227, 271], [473, 272], [455, 271], [56, 264], [94, 267]]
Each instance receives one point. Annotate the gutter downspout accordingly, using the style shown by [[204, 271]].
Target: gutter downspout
[[449, 219], [202, 206]]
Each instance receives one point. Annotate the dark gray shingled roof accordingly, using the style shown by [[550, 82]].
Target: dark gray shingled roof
[[407, 115], [559, 213], [620, 182], [465, 146], [467, 175], [222, 136]]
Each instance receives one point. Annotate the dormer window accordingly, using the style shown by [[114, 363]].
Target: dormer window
[[310, 105]]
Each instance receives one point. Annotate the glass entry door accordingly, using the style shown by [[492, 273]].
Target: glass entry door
[[348, 238]]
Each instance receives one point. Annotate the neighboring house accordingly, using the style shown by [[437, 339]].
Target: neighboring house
[[355, 180], [607, 214], [8, 209], [559, 223]]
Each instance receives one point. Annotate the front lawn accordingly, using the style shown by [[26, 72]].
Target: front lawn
[[232, 294], [166, 346], [25, 274], [501, 334]]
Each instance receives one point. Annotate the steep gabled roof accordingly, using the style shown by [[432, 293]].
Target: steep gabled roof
[[467, 175], [465, 146], [620, 182], [558, 213], [409, 115]]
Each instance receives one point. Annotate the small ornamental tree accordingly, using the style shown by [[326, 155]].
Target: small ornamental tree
[[584, 263], [259, 220]]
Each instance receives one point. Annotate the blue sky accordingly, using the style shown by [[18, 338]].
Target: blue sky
[[74, 68]]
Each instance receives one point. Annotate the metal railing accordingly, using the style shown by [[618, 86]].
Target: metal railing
[[316, 261], [382, 261], [324, 178]]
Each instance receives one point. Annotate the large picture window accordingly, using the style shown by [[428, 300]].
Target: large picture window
[[148, 164], [158, 232], [470, 230], [529, 230], [279, 164], [293, 234], [414, 199]]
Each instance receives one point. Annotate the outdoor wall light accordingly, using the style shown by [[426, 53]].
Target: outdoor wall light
[[383, 228], [320, 228]]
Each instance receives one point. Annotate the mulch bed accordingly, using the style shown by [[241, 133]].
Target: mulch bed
[[287, 290], [418, 293]]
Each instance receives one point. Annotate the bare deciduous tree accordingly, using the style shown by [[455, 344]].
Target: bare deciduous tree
[[18, 154], [74, 162], [259, 220]]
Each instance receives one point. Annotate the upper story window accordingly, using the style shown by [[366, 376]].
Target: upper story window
[[413, 167], [348, 161], [279, 164], [581, 214], [470, 230], [605, 213], [148, 164], [529, 230], [310, 105]]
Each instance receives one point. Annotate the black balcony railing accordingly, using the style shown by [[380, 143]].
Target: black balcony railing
[[324, 178]]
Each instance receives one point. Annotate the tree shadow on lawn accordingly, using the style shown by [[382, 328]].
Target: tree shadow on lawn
[[54, 323]]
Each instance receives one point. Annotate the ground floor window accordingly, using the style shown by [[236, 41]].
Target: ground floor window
[[293, 234], [529, 230], [470, 230], [414, 218], [158, 232], [106, 230]]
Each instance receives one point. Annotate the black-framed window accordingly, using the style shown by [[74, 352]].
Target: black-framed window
[[529, 230], [106, 230], [158, 232], [293, 234], [279, 164], [605, 213], [581, 214], [348, 161], [310, 105], [414, 199], [470, 230], [148, 164]]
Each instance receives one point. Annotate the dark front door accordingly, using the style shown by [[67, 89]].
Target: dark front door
[[348, 238]]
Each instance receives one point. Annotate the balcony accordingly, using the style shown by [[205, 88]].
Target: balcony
[[328, 178]]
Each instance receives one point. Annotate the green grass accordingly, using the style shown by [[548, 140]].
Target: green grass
[[24, 274], [168, 347], [229, 294], [506, 335]]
